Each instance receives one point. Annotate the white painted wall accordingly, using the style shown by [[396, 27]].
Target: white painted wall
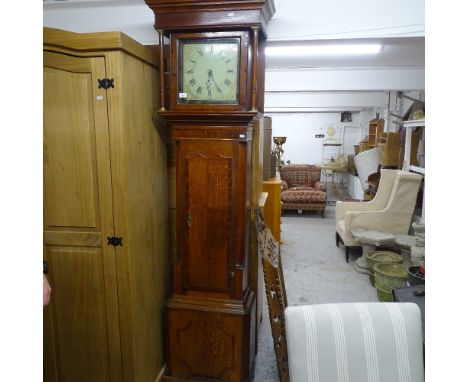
[[133, 18], [301, 116], [300, 129]]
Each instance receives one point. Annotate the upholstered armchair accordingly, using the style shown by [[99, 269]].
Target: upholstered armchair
[[391, 209], [355, 342], [301, 188]]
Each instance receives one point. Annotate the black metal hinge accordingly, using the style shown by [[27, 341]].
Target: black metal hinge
[[105, 83], [113, 240]]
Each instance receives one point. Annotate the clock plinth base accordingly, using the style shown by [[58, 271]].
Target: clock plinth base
[[211, 339]]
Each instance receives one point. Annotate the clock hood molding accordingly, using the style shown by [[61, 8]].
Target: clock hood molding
[[186, 14]]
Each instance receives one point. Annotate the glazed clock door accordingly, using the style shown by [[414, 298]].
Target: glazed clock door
[[81, 327], [209, 71], [210, 207]]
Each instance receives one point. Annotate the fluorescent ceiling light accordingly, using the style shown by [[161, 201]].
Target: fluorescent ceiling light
[[322, 50]]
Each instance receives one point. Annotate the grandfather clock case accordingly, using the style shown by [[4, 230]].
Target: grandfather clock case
[[211, 99]]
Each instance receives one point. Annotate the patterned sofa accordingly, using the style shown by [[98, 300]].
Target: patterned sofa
[[301, 188]]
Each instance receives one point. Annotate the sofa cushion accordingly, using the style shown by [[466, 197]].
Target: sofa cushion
[[303, 195]]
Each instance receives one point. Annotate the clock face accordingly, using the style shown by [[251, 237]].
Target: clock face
[[209, 71]]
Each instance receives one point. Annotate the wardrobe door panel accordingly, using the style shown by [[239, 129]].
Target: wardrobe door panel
[[82, 316]]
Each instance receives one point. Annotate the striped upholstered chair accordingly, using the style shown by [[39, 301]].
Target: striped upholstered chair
[[355, 342]]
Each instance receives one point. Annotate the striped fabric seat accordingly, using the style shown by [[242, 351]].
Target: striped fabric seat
[[355, 342]]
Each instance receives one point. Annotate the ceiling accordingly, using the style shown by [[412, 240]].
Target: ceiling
[[342, 19], [396, 52], [398, 25]]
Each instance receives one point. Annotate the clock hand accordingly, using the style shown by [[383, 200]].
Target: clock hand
[[210, 77], [208, 82]]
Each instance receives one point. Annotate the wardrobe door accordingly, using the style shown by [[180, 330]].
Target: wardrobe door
[[81, 326]]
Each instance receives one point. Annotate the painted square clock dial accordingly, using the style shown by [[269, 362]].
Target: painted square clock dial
[[209, 71]]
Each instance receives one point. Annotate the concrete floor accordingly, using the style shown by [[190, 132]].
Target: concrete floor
[[315, 272]]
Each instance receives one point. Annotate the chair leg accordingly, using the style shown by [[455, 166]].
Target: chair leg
[[347, 254], [322, 213], [337, 238]]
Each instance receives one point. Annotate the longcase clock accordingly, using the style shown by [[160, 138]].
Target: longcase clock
[[212, 84]]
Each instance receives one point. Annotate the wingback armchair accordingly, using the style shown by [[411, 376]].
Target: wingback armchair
[[391, 210], [301, 188]]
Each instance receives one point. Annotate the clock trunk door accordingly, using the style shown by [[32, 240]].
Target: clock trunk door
[[211, 194]]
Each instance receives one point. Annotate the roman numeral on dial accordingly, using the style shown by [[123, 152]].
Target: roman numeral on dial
[[199, 90], [192, 82], [227, 82]]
